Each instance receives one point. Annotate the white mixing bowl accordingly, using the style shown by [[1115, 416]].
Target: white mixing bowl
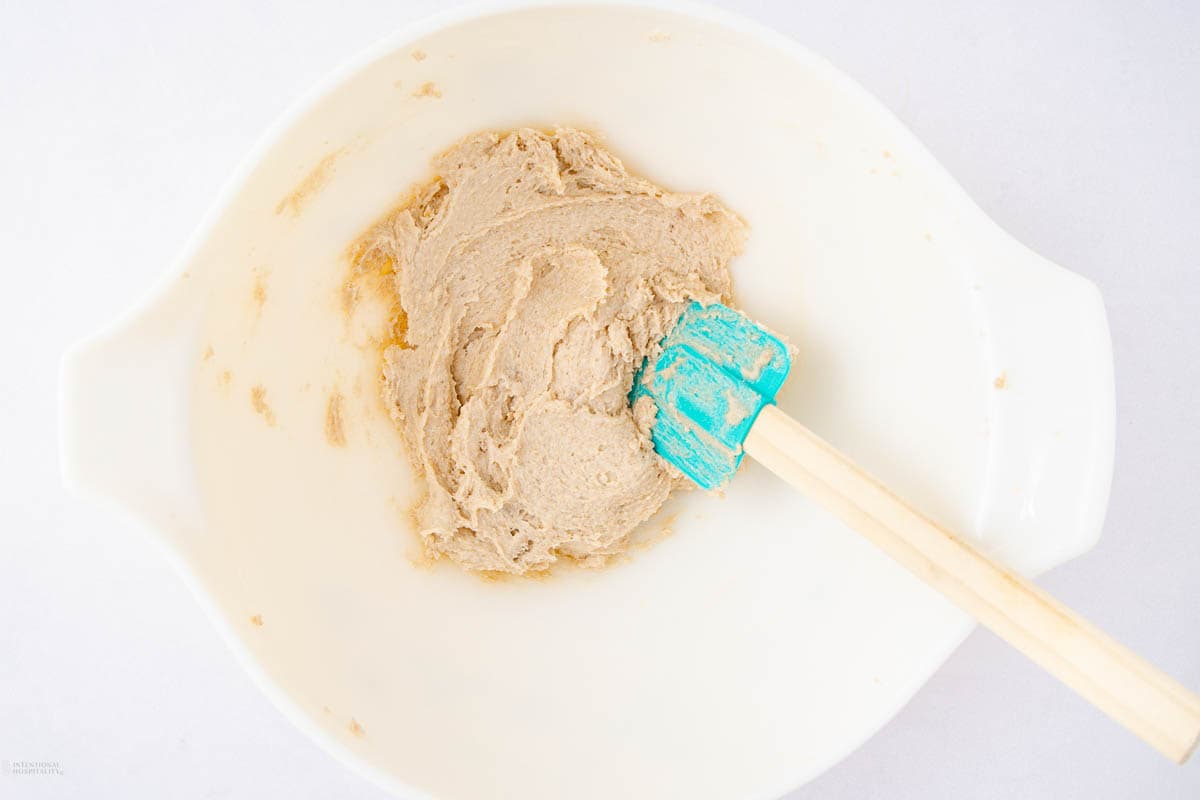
[[761, 641]]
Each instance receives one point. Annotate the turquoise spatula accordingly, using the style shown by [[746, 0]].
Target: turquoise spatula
[[714, 387]]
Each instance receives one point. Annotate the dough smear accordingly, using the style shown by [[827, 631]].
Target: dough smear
[[536, 274]]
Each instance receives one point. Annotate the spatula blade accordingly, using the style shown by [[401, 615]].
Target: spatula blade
[[716, 371]]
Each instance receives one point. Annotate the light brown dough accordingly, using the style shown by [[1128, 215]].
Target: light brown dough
[[536, 275]]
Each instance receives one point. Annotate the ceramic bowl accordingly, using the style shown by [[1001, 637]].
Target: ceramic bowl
[[760, 641]]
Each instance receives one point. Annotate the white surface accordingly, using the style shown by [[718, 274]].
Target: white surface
[[698, 652], [114, 673]]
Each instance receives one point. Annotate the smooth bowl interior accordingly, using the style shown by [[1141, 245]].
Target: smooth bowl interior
[[744, 652]]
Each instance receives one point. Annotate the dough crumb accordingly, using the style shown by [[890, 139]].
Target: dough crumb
[[311, 185], [258, 401], [208, 353], [356, 729], [1001, 381], [259, 293], [335, 428], [428, 89], [534, 276], [256, 620], [735, 412], [419, 55], [658, 35], [226, 378], [755, 370]]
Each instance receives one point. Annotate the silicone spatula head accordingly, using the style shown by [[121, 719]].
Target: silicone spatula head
[[716, 371]]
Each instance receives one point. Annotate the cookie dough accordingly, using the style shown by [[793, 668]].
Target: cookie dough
[[536, 274]]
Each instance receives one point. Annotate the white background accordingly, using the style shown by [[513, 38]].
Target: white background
[[1075, 124]]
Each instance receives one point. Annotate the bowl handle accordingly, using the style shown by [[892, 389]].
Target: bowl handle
[[1052, 407], [124, 400]]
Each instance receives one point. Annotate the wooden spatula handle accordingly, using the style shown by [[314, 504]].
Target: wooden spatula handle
[[1130, 690]]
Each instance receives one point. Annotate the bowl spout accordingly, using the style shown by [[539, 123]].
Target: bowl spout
[[124, 412]]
